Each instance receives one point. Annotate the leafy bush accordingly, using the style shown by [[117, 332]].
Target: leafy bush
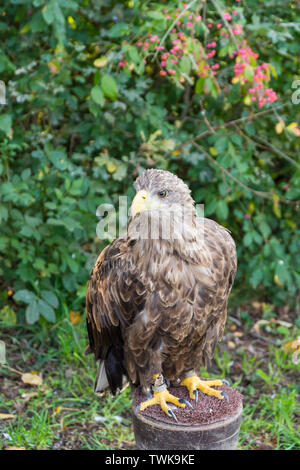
[[98, 91]]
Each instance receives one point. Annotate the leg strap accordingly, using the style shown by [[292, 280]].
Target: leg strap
[[159, 384]]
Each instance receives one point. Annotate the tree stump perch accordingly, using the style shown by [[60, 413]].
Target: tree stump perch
[[214, 424]]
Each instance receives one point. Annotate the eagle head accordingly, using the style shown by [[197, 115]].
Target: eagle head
[[159, 190]]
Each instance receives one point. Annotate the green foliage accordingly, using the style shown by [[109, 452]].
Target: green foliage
[[77, 128], [38, 306]]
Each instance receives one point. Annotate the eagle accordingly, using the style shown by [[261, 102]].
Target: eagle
[[156, 302]]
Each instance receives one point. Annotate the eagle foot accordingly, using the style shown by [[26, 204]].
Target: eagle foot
[[193, 384], [161, 397]]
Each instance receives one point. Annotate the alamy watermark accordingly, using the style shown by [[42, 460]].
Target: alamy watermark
[[2, 352], [2, 92], [296, 94], [159, 223]]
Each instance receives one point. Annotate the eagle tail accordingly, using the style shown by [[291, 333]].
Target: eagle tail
[[101, 380], [111, 373]]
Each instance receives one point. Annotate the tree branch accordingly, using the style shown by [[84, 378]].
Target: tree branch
[[217, 7], [232, 123], [278, 152], [261, 194]]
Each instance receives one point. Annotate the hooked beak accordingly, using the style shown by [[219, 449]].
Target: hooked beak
[[142, 202]]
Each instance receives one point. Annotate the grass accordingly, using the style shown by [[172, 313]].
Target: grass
[[64, 413], [64, 410]]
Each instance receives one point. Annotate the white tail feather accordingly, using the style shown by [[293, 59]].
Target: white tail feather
[[101, 379]]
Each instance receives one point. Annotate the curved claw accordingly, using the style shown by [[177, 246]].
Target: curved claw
[[225, 396], [182, 400], [171, 413], [195, 392], [225, 381]]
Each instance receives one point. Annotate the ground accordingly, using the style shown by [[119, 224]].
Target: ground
[[64, 413]]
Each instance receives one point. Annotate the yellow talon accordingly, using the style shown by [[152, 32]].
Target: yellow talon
[[161, 398], [193, 384]]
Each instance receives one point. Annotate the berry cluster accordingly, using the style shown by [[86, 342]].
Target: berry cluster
[[246, 71], [195, 47]]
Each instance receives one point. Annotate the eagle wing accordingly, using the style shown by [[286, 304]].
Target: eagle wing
[[114, 296]]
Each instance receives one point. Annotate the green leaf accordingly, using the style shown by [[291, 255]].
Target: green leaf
[[109, 86], [265, 229], [101, 61], [222, 210], [282, 272], [120, 173], [256, 277], [8, 315], [236, 139], [273, 70], [210, 87], [97, 95], [77, 187], [58, 158], [69, 282], [247, 240], [73, 265], [185, 65], [133, 54], [48, 13], [157, 15], [58, 222], [50, 298], [68, 4], [248, 72], [32, 221], [223, 189], [3, 242], [6, 123], [32, 313], [210, 207], [58, 14], [222, 144], [200, 85], [3, 214], [24, 296], [234, 93], [119, 30], [46, 311], [139, 68], [256, 237]]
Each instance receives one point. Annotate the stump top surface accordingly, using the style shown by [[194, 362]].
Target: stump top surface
[[207, 411]]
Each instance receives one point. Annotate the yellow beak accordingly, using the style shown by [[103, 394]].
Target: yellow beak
[[141, 202]]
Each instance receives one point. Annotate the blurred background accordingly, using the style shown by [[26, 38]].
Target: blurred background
[[91, 94]]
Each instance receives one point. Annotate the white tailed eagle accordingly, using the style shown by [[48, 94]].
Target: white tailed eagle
[[157, 297]]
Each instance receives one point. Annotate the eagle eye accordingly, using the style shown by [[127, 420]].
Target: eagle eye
[[162, 193]]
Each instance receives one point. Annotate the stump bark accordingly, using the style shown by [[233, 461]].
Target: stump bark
[[213, 424]]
